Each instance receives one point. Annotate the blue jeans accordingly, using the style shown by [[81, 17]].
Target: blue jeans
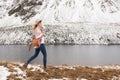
[[37, 50]]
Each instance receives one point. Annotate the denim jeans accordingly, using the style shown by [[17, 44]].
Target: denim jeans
[[37, 50]]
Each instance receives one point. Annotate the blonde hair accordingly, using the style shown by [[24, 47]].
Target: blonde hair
[[36, 24]]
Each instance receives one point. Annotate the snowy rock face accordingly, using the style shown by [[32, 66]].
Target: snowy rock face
[[81, 10], [27, 11], [65, 21], [5, 5], [17, 12]]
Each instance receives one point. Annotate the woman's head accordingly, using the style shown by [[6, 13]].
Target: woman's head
[[38, 23]]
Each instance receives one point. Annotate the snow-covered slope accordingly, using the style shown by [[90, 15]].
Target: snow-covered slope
[[14, 12], [81, 11], [76, 33], [65, 21]]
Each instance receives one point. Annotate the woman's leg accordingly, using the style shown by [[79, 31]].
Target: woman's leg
[[43, 50], [37, 50]]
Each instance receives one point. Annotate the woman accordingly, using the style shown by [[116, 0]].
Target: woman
[[39, 35]]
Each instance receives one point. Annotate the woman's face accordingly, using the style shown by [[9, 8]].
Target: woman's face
[[40, 24]]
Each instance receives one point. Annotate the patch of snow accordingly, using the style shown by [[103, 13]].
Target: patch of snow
[[67, 79], [21, 74], [10, 21], [35, 68], [117, 67], [83, 79], [55, 79], [19, 71], [115, 78], [4, 73]]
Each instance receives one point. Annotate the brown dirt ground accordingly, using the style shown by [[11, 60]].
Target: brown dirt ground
[[63, 71]]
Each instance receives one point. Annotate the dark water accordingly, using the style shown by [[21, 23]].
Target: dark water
[[84, 55]]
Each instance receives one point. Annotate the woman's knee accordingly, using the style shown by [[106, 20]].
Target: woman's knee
[[35, 55]]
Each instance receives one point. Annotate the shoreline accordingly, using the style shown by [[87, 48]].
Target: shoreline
[[62, 72]]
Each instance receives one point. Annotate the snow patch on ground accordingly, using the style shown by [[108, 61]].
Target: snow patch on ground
[[67, 79], [34, 68], [4, 73]]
